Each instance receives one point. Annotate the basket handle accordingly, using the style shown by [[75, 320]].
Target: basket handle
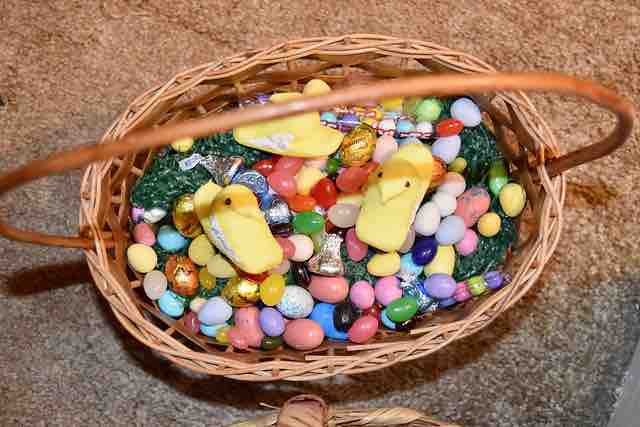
[[435, 85]]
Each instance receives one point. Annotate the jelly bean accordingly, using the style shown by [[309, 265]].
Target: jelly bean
[[272, 289], [191, 322], [424, 250], [271, 343], [494, 279], [300, 203], [322, 314], [356, 249], [363, 329], [384, 318], [467, 112], [406, 326], [271, 322], [449, 127], [373, 311], [362, 294], [468, 244], [290, 165], [284, 229], [387, 290], [325, 193], [307, 178], [288, 249], [300, 273], [331, 168], [440, 286], [351, 179], [303, 247], [308, 223], [143, 233], [237, 338], [498, 176], [329, 289], [462, 292], [248, 320], [282, 183], [222, 334], [384, 264], [265, 167], [344, 315], [476, 285], [154, 284], [214, 311], [402, 309], [303, 334], [343, 215]]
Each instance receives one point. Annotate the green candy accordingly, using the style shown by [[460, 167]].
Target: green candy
[[429, 110], [498, 176], [476, 285], [331, 168], [410, 105], [270, 343], [402, 309], [308, 223]]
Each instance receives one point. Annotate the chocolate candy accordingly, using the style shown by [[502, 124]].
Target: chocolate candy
[[222, 169], [277, 212], [344, 315], [182, 275], [253, 180], [358, 145], [327, 262], [241, 292], [184, 216]]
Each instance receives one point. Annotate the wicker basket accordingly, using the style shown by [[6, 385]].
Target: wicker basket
[[189, 104], [308, 410]]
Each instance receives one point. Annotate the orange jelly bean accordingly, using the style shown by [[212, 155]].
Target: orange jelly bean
[[300, 203], [449, 127]]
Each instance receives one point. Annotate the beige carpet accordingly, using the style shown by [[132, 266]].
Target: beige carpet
[[67, 68]]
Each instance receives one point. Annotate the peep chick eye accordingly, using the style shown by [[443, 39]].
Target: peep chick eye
[[227, 201], [379, 174], [407, 184]]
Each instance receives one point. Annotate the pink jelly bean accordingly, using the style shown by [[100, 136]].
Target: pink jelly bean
[[288, 248], [290, 165], [356, 248], [143, 233], [363, 329], [462, 292], [362, 294], [237, 338], [351, 179], [283, 183], [388, 290]]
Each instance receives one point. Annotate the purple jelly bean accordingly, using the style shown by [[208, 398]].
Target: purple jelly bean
[[424, 250], [440, 286], [493, 279]]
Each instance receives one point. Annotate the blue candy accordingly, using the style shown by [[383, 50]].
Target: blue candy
[[322, 314], [171, 304], [405, 125], [328, 117], [407, 266], [386, 321], [170, 240], [253, 180], [211, 330]]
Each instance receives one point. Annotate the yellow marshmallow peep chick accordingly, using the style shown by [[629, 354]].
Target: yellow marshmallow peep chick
[[237, 227], [392, 196], [301, 135]]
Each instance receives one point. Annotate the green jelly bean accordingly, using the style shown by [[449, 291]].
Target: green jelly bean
[[270, 343], [331, 168], [476, 285], [308, 223], [498, 176], [402, 309]]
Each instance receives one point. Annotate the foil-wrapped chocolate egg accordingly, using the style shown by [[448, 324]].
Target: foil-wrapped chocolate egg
[[185, 218], [241, 292], [182, 275], [358, 145]]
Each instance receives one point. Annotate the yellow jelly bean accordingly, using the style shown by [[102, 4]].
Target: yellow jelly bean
[[308, 177], [201, 250], [222, 335], [444, 261], [382, 265], [489, 224], [458, 165], [220, 267], [272, 289], [142, 258], [182, 145], [206, 279]]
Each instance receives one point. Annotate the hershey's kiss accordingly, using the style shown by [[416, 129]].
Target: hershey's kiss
[[222, 169], [327, 262], [278, 212]]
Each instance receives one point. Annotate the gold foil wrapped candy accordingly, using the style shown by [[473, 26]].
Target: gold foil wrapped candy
[[358, 145], [182, 275], [184, 216], [241, 292]]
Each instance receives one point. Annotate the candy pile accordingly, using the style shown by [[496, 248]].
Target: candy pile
[[335, 224]]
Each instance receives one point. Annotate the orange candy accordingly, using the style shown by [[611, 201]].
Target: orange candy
[[300, 203]]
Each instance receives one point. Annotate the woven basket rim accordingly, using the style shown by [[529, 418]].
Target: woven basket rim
[[103, 208]]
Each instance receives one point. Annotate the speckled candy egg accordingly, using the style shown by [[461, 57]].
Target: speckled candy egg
[[143, 233], [303, 334], [446, 203], [440, 286], [468, 244], [153, 215], [489, 224], [141, 258], [453, 183], [472, 204], [296, 302], [215, 310], [362, 294], [427, 219], [271, 322], [171, 304], [154, 284], [447, 148], [451, 230], [329, 289], [387, 290], [467, 112], [512, 199], [170, 240]]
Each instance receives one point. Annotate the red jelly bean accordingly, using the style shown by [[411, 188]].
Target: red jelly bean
[[291, 165], [325, 193], [363, 329], [351, 179], [328, 225], [287, 246], [282, 183], [265, 167], [449, 127], [300, 203], [370, 167]]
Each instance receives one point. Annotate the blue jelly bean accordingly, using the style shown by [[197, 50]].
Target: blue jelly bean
[[322, 314], [386, 321]]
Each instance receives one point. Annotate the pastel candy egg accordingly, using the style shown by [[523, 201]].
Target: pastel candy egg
[[343, 215], [489, 224], [467, 112], [447, 148], [171, 304], [296, 302], [392, 104], [191, 322], [387, 290], [427, 219], [384, 264], [472, 204], [329, 289], [170, 240], [512, 199], [446, 203], [272, 289], [222, 334], [462, 292], [196, 304], [141, 258], [271, 322], [307, 178], [409, 105], [215, 310], [303, 247], [493, 279], [440, 286], [283, 183], [248, 320], [362, 294], [143, 233], [218, 266], [458, 165], [468, 244], [407, 266], [237, 338], [429, 110], [404, 126], [451, 230], [211, 330], [201, 250], [444, 261], [402, 309], [363, 329], [356, 248], [453, 184], [385, 147], [316, 87], [303, 334], [322, 314], [387, 126], [408, 241], [154, 284], [409, 140], [153, 215]]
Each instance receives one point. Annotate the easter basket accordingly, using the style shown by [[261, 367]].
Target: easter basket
[[191, 104], [309, 410]]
